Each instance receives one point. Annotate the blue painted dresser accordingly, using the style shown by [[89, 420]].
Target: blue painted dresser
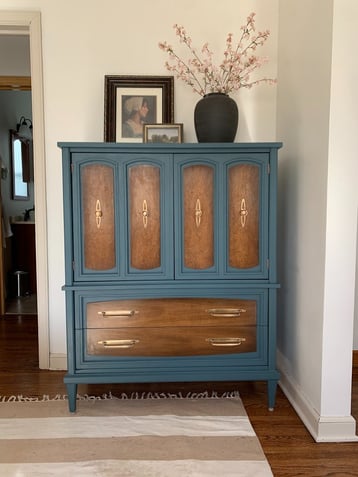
[[170, 263]]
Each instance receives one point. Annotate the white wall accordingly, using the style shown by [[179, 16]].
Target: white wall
[[15, 55], [342, 208], [303, 111], [318, 210], [84, 40]]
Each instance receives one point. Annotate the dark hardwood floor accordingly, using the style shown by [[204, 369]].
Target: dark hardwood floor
[[287, 444]]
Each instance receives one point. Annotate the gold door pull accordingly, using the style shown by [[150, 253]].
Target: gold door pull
[[226, 312], [145, 213], [118, 343], [98, 214], [243, 212], [225, 341], [198, 213], [115, 313]]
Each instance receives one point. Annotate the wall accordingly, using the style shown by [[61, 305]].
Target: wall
[[17, 64], [342, 208], [318, 208], [85, 40]]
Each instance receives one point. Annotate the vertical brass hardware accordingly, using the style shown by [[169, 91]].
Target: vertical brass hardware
[[225, 341], [198, 212], [226, 312], [243, 213], [145, 213], [98, 214]]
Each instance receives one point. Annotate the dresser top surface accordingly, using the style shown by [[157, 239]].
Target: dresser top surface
[[172, 148]]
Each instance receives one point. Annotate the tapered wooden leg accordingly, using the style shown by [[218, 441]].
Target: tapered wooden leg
[[271, 390], [72, 395]]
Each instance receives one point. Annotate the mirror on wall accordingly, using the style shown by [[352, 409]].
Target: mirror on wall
[[20, 155]]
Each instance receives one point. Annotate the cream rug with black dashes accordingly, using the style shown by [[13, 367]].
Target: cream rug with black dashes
[[129, 437]]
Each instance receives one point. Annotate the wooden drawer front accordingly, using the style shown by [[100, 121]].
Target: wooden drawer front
[[173, 341], [165, 312]]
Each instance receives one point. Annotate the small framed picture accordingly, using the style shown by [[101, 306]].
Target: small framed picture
[[132, 101], [163, 133]]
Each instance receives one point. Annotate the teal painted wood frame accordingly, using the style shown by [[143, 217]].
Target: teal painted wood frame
[[127, 283]]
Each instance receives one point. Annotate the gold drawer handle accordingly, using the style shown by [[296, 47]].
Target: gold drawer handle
[[225, 341], [119, 313], [118, 343], [226, 312]]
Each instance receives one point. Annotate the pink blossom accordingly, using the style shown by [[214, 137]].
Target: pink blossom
[[233, 73]]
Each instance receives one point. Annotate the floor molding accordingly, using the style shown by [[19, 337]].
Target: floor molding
[[58, 361], [321, 428]]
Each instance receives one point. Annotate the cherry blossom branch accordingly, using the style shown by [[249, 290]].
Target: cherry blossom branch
[[233, 72]]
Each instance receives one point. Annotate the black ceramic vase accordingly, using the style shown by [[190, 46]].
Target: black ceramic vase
[[216, 118]]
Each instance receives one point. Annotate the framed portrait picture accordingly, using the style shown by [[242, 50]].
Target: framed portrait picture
[[130, 102], [163, 133]]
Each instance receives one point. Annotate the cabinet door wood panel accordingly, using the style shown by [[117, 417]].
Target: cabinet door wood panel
[[171, 341], [98, 217], [198, 190], [165, 312], [244, 194], [144, 205]]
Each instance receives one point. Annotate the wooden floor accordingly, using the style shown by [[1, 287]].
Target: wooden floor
[[287, 444]]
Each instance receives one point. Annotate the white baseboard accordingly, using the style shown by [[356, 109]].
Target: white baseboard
[[321, 428], [58, 362]]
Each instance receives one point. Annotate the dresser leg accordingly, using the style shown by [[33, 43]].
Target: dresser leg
[[72, 395], [271, 390]]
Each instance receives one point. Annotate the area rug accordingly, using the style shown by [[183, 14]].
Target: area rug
[[155, 437]]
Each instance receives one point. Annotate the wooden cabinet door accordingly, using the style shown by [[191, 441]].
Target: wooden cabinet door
[[221, 211], [246, 216], [144, 217], [94, 219], [149, 219], [122, 216], [195, 213]]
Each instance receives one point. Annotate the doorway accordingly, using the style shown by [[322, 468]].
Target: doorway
[[18, 277], [13, 22]]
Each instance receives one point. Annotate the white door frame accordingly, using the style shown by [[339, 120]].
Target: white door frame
[[15, 22]]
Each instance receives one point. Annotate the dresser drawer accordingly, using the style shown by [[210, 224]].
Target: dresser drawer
[[171, 341], [165, 312]]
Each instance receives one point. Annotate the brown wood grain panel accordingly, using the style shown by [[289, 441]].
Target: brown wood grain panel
[[198, 185], [99, 241], [244, 235], [165, 312], [173, 341], [144, 197]]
